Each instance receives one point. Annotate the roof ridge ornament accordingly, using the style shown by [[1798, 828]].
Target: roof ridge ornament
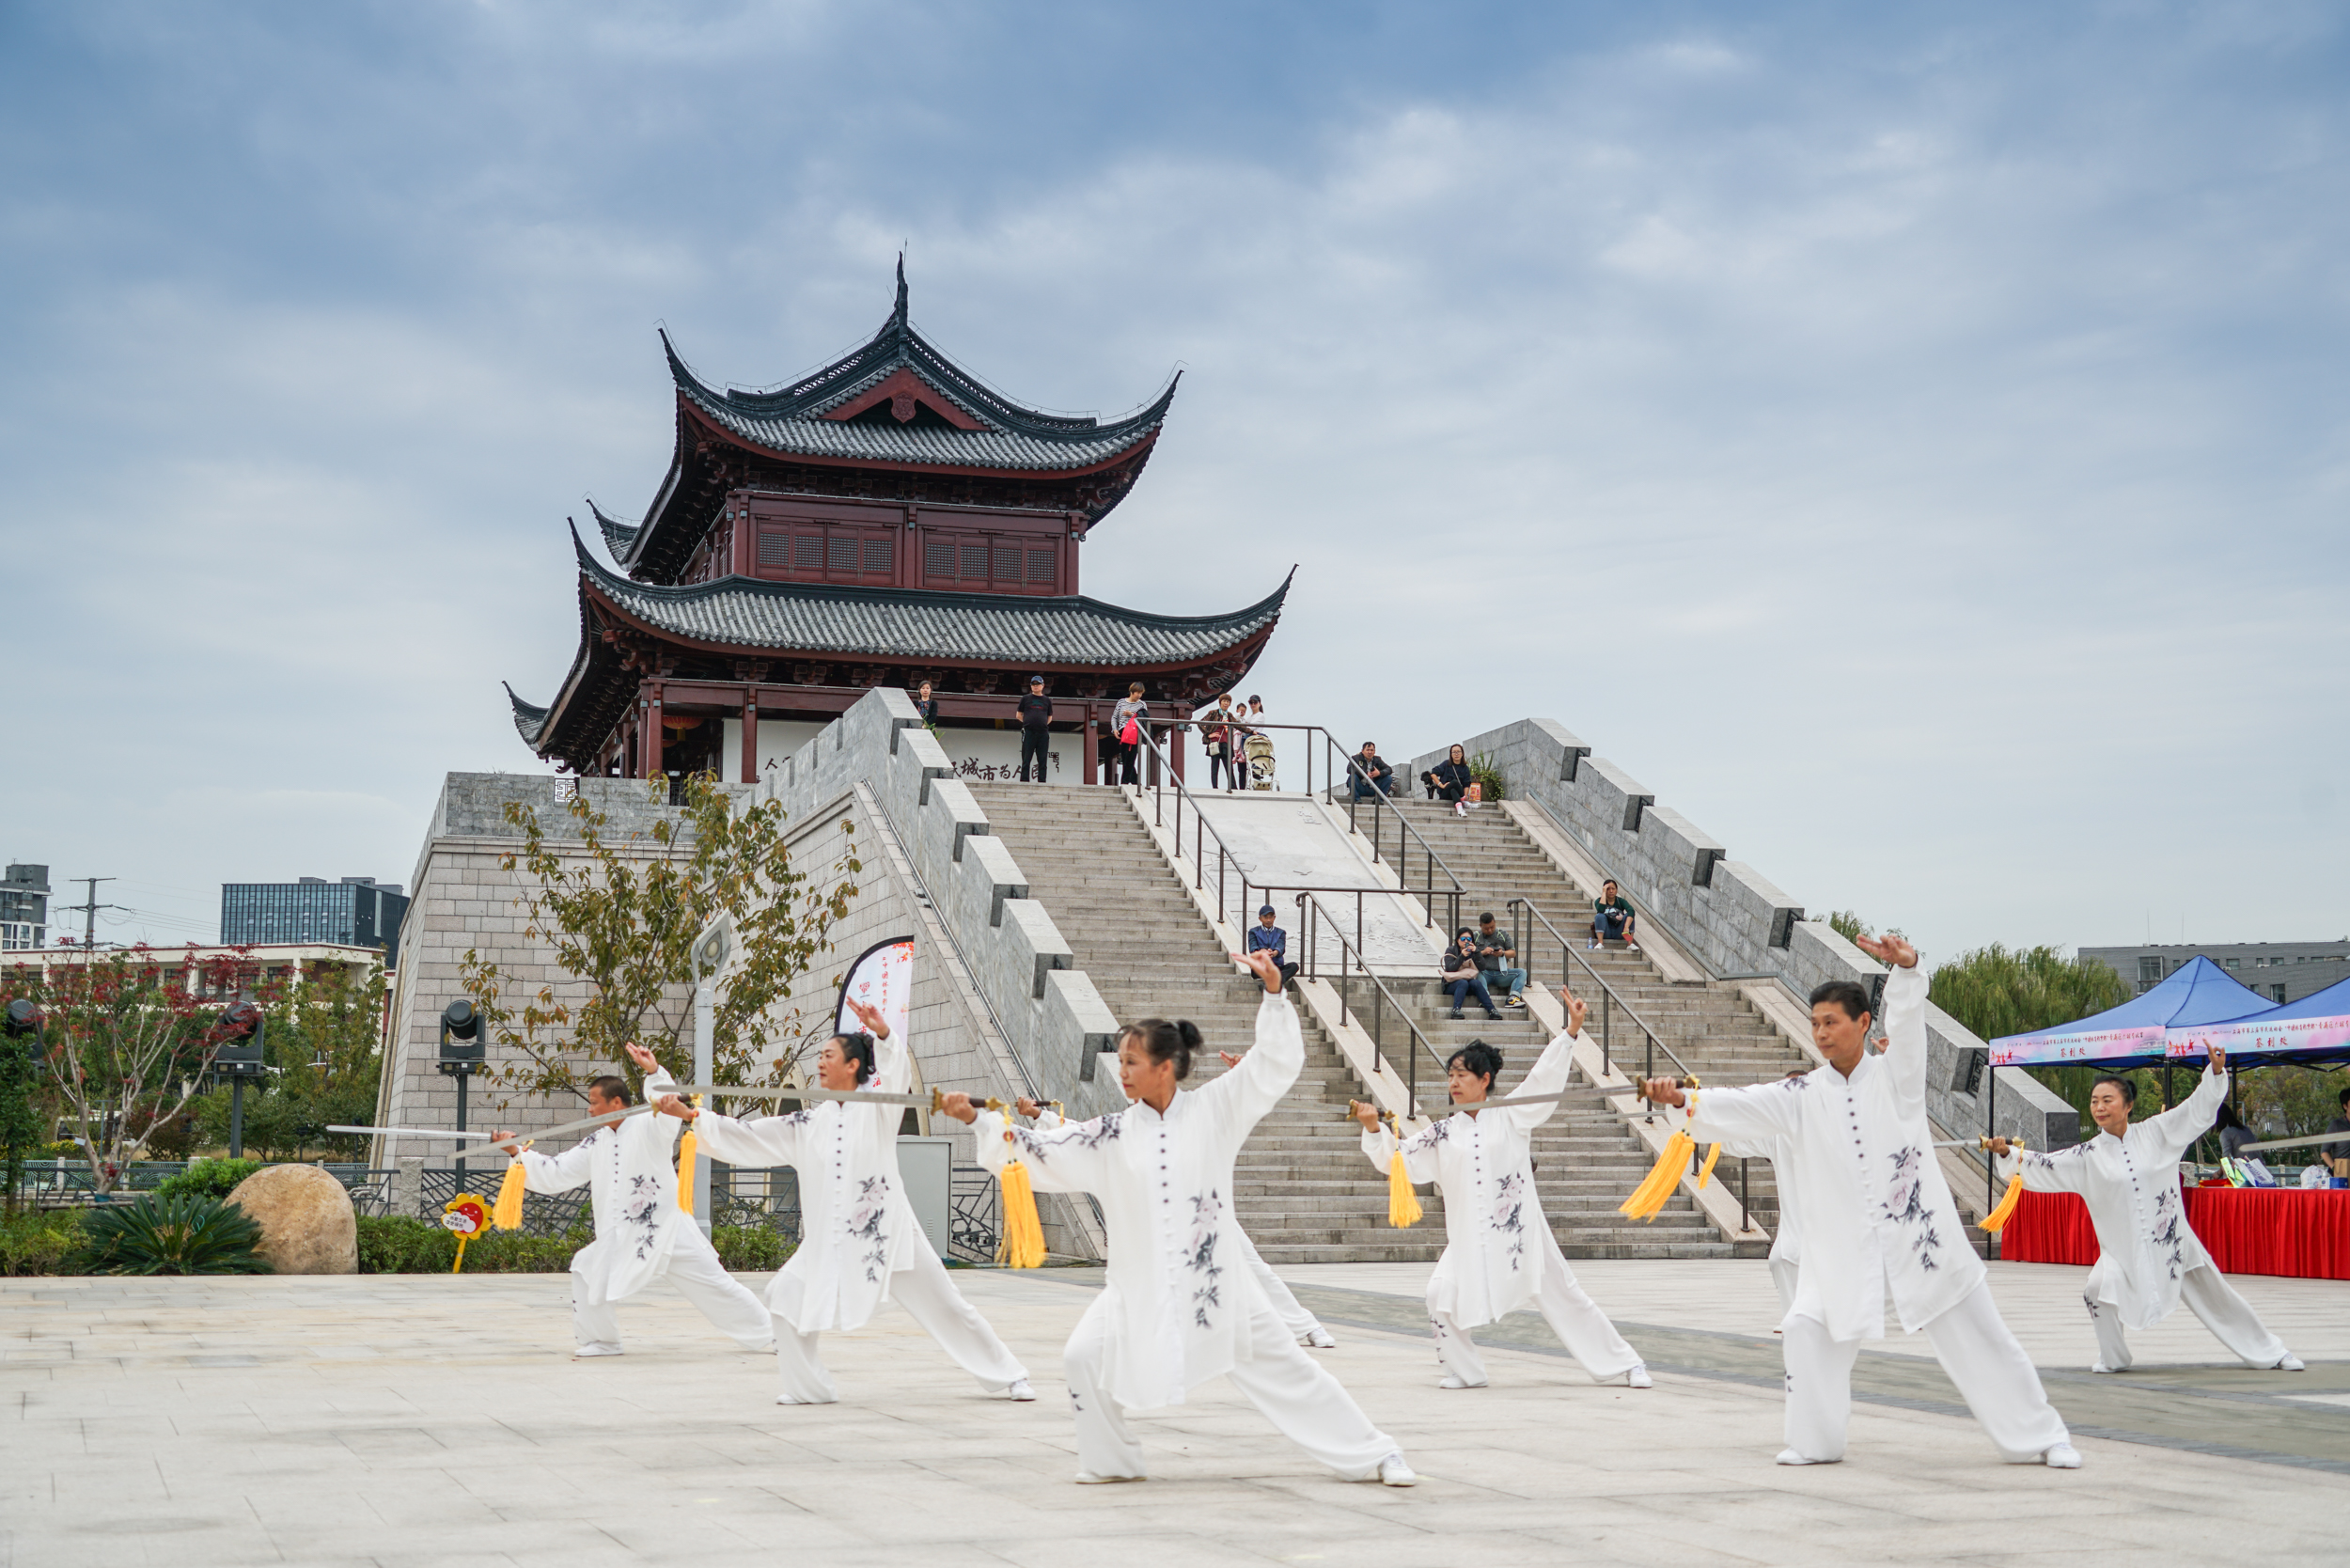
[[897, 314]]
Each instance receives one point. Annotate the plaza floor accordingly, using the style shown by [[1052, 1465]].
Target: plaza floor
[[435, 1420]]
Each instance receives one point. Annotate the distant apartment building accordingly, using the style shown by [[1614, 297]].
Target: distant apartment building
[[357, 911], [24, 909], [2280, 971]]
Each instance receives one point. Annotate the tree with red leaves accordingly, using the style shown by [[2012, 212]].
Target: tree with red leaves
[[129, 1036]]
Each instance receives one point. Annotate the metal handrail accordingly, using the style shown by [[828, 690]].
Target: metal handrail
[[1311, 906], [1431, 864], [1608, 1002], [1226, 863]]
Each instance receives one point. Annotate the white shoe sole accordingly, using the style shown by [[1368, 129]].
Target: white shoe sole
[[1087, 1478]]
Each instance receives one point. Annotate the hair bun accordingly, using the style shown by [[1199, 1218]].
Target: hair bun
[[1189, 1032]]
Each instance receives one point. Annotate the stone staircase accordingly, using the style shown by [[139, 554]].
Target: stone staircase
[[1305, 1192]]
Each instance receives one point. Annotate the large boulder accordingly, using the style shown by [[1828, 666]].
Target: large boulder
[[304, 1215]]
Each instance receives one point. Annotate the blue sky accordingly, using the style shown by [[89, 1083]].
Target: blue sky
[[1912, 442]]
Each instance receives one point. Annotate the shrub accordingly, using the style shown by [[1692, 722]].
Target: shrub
[[749, 1249], [185, 1233], [208, 1178], [1485, 771], [398, 1244], [38, 1241]]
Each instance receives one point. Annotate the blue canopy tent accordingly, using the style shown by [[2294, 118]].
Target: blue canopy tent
[[2312, 1032], [2139, 1032]]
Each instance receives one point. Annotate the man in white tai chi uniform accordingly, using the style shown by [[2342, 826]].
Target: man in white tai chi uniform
[[2148, 1257], [1499, 1254], [1178, 1310], [1876, 1214], [860, 1242], [641, 1234]]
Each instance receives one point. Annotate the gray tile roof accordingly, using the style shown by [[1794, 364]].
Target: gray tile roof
[[530, 720], [792, 419], [617, 536], [916, 624]]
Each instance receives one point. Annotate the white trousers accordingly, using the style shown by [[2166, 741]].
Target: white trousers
[[1571, 1315], [1301, 1400], [1292, 1312], [702, 1279], [1974, 1346], [1786, 1273], [931, 1300], [2207, 1294]]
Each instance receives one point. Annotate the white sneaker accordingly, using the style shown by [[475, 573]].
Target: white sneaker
[[2290, 1363], [1021, 1392], [1454, 1380], [1394, 1472], [1320, 1338], [1639, 1378], [1087, 1478], [1789, 1456], [1592, 949], [2064, 1456], [2100, 1367], [597, 1350]]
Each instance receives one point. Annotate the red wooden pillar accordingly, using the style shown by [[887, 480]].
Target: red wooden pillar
[[1175, 750], [649, 750], [1092, 761], [750, 735]]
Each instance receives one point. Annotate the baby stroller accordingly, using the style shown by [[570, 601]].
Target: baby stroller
[[1258, 751]]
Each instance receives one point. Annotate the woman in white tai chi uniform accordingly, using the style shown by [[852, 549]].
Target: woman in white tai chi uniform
[[2148, 1257], [1302, 1326], [1499, 1254], [860, 1243], [1177, 1310], [641, 1234], [1876, 1214]]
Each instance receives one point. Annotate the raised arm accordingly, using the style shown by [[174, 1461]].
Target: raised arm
[[2066, 1171], [1549, 1074], [2179, 1127], [1756, 1114], [1904, 1020], [1242, 1096]]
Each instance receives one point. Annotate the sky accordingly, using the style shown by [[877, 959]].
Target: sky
[[1911, 440]]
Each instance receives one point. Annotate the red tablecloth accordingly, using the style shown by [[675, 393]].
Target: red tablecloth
[[2246, 1230]]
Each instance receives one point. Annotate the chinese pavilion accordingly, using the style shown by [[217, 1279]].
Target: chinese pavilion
[[886, 521]]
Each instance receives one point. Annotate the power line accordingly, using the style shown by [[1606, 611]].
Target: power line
[[89, 910]]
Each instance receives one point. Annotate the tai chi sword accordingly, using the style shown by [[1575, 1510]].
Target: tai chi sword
[[935, 1099], [1582, 1092], [2298, 1142], [509, 1144]]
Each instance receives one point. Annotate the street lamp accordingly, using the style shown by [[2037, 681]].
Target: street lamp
[[462, 1057], [709, 952], [238, 1060]]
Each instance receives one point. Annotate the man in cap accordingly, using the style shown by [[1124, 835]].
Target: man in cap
[[1267, 937], [1036, 722]]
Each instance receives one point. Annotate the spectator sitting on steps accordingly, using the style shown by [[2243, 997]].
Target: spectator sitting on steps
[[1036, 724], [1463, 976], [1497, 958], [1450, 778], [1264, 936], [1612, 918], [1370, 774]]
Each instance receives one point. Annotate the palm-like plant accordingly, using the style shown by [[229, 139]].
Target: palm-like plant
[[181, 1234]]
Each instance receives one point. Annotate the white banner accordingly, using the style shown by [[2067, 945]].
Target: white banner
[[882, 977]]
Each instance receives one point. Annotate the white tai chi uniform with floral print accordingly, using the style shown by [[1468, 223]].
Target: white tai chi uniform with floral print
[[1787, 1242], [1878, 1216], [1180, 1306], [641, 1234], [2149, 1258], [860, 1243], [1302, 1325], [1499, 1254]]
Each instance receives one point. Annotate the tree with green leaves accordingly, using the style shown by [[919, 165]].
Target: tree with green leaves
[[621, 915], [1998, 991]]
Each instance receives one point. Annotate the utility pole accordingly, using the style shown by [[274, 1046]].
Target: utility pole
[[89, 910]]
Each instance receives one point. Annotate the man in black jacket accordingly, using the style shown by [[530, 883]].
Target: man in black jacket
[[1035, 720]]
